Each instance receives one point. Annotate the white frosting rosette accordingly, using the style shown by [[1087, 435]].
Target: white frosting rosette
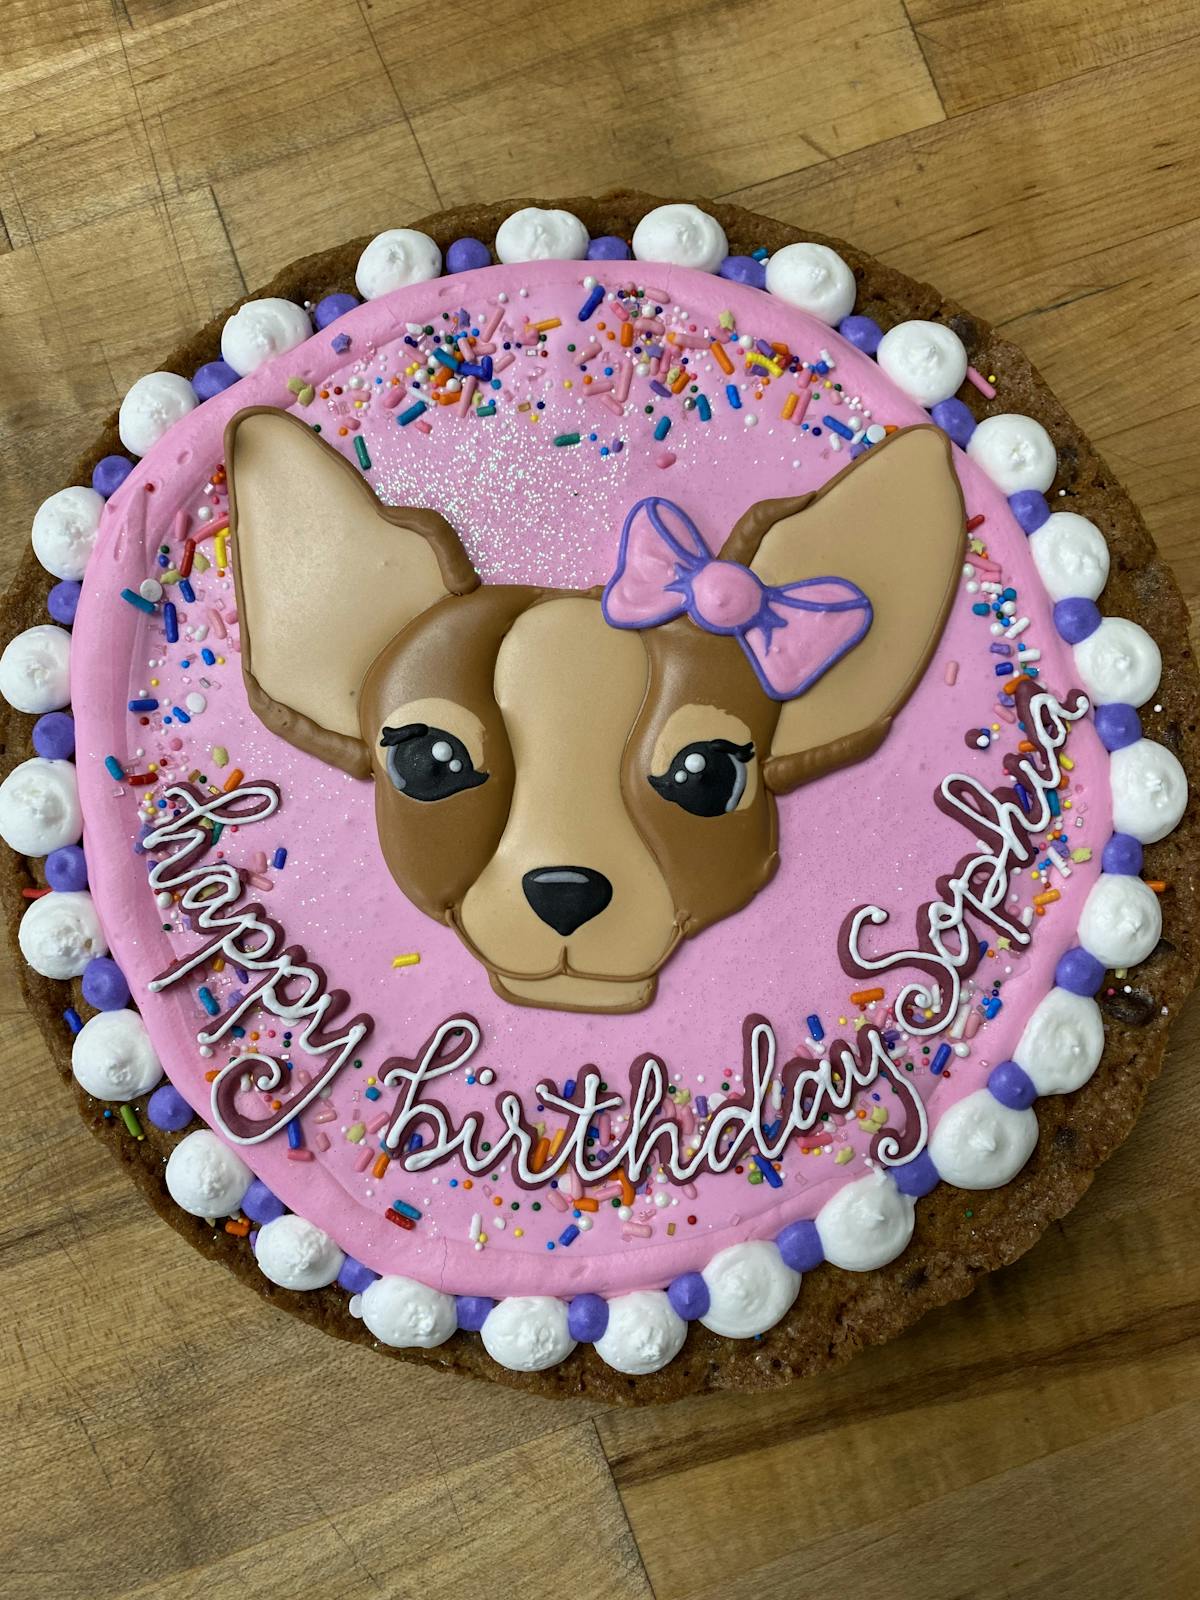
[[260, 330], [1149, 790], [394, 258], [405, 1314], [1062, 1043], [749, 1288], [1070, 555], [297, 1254], [1016, 452], [925, 359], [60, 933], [1119, 663], [866, 1224], [528, 1333], [39, 807], [813, 278], [35, 670], [112, 1057], [681, 236], [1121, 921], [981, 1144], [533, 234], [64, 530], [644, 1332], [150, 407], [205, 1177]]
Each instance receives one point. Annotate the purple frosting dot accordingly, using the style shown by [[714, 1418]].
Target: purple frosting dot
[[354, 1277], [167, 1109], [744, 269], [473, 1311], [1030, 508], [1076, 618], [104, 985], [800, 1245], [864, 333], [1012, 1086], [54, 736], [689, 1296], [1117, 726], [212, 377], [66, 870], [1123, 855], [1078, 971], [332, 307], [608, 248], [110, 473], [954, 418], [260, 1204], [464, 255], [587, 1318], [916, 1177], [63, 601]]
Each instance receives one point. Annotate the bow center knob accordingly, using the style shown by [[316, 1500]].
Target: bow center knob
[[725, 595]]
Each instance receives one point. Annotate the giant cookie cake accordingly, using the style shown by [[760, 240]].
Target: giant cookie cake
[[599, 799]]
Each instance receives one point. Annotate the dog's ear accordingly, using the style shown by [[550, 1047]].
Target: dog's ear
[[326, 576], [892, 523]]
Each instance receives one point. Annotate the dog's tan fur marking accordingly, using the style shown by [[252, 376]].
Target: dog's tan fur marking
[[317, 556], [892, 523], [567, 807]]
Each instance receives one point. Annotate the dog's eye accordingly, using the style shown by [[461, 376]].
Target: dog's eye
[[428, 763], [707, 778]]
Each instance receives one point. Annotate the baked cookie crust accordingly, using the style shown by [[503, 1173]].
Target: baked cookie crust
[[958, 1237]]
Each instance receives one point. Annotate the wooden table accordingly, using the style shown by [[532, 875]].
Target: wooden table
[[165, 1433]]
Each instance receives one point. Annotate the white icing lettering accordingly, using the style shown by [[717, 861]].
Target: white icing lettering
[[947, 948], [421, 1128], [284, 983]]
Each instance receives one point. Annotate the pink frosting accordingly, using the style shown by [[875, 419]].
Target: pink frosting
[[726, 595], [532, 513]]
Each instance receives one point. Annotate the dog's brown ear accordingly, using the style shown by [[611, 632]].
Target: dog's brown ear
[[893, 523], [326, 576]]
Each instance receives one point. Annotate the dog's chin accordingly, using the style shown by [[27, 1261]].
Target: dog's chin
[[559, 987], [564, 991]]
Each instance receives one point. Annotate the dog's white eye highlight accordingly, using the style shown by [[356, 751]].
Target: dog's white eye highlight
[[706, 777], [428, 763]]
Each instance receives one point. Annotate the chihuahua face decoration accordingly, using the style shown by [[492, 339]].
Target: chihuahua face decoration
[[577, 781]]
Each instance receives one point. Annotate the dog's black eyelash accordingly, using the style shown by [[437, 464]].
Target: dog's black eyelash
[[722, 747], [410, 730]]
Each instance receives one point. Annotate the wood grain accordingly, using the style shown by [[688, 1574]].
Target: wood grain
[[700, 98], [167, 1434], [979, 52]]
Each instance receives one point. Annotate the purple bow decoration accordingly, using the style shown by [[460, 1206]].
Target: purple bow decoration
[[792, 634]]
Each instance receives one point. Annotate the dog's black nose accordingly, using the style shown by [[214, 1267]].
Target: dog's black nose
[[566, 897]]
